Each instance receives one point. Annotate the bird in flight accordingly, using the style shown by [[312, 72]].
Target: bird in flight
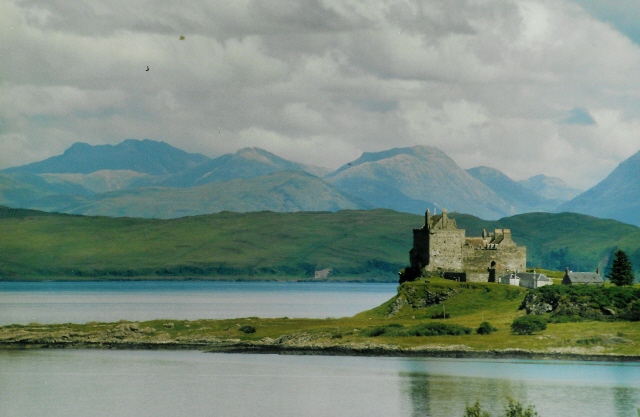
[[147, 68]]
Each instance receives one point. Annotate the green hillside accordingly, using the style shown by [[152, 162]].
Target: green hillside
[[366, 245]]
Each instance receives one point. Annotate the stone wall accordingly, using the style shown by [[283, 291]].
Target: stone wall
[[510, 258], [445, 250], [419, 255]]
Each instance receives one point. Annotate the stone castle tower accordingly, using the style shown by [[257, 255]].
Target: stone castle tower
[[440, 248]]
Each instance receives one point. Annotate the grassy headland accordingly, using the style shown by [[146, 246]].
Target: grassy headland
[[355, 245], [393, 328]]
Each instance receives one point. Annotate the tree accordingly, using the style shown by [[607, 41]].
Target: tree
[[621, 271]]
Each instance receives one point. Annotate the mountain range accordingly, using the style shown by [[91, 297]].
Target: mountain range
[[146, 178]]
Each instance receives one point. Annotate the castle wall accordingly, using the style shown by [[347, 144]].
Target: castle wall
[[512, 258], [445, 250], [477, 261], [419, 254], [477, 276]]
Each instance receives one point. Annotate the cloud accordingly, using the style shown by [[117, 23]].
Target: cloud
[[514, 84]]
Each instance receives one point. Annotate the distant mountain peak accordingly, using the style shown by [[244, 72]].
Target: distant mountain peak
[[487, 172], [258, 154], [144, 156], [520, 197], [552, 188], [616, 197], [420, 151]]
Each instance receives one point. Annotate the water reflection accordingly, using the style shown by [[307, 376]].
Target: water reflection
[[625, 400], [438, 389], [419, 392]]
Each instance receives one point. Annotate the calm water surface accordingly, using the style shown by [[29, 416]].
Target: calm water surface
[[133, 383], [73, 302]]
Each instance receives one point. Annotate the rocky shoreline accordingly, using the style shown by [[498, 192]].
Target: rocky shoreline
[[21, 339]]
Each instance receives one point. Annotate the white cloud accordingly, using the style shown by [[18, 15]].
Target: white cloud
[[490, 83]]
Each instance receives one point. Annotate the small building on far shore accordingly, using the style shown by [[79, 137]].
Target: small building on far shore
[[582, 278]]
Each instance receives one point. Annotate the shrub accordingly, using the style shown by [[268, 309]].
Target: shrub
[[247, 329], [440, 315], [389, 330], [475, 411], [585, 302], [528, 324], [428, 329], [375, 332], [486, 328], [634, 312], [437, 329], [513, 409]]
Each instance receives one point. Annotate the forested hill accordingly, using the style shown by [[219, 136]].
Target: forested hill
[[364, 244]]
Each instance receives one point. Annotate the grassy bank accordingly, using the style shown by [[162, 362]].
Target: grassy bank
[[385, 330]]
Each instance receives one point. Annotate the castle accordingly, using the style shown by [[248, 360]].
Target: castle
[[440, 248]]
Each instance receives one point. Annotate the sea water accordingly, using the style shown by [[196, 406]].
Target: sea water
[[81, 302], [185, 383]]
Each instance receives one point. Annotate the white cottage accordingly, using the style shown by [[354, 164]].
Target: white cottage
[[525, 279]]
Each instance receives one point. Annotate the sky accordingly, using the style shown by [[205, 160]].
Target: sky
[[527, 87]]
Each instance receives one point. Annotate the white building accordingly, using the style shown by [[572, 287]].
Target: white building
[[525, 279]]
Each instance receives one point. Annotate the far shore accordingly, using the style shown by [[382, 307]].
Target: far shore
[[371, 350]]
